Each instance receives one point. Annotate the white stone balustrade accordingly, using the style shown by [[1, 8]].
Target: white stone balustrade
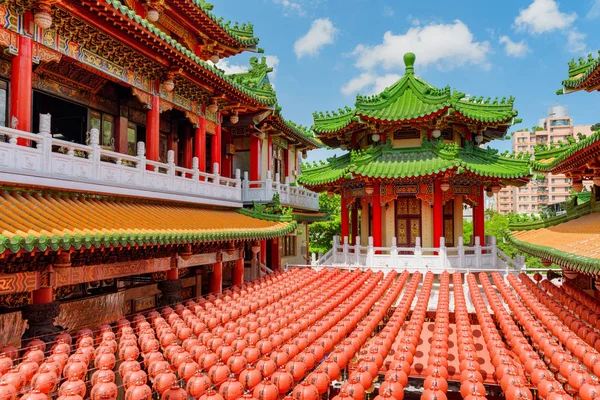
[[461, 258], [57, 163], [289, 195]]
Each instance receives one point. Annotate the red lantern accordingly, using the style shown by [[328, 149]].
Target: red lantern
[[231, 389], [266, 390], [198, 384], [104, 390]]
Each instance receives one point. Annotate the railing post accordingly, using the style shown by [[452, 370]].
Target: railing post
[[520, 262], [171, 170], [46, 142], [268, 187], [238, 183], [216, 173], [346, 250], [313, 260], [442, 253], [370, 253], [141, 154], [394, 252], [245, 187], [357, 250], [494, 252], [461, 252], [418, 254], [477, 252], [95, 145], [336, 243], [196, 168]]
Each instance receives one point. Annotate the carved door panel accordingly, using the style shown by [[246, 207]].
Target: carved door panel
[[449, 223], [408, 221]]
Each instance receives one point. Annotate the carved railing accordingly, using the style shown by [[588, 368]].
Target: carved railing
[[417, 258], [289, 195], [41, 156]]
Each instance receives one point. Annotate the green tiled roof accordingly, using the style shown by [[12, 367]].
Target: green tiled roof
[[549, 159], [265, 98], [579, 72], [386, 162], [243, 34], [256, 78], [411, 98]]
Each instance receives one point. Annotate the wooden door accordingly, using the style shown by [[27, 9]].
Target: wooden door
[[449, 223], [408, 221]]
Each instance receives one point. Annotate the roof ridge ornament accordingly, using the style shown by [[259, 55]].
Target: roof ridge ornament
[[409, 62]]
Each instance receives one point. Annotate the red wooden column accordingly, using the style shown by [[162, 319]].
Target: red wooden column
[[188, 148], [227, 163], [270, 153], [288, 158], [275, 259], [354, 222], [438, 213], [216, 278], [200, 145], [263, 252], [215, 151], [238, 272], [21, 91], [479, 216], [255, 157], [42, 295], [376, 220], [153, 129], [344, 217]]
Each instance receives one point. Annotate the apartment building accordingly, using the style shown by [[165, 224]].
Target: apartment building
[[550, 189]]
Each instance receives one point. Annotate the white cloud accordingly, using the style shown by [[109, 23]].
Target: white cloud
[[231, 68], [382, 82], [543, 16], [358, 83], [388, 11], [594, 11], [443, 45], [273, 62], [575, 42], [321, 33], [291, 7], [514, 49]]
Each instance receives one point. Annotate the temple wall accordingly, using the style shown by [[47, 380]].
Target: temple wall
[[458, 218], [426, 224]]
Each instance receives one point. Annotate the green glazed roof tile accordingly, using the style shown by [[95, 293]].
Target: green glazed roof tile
[[548, 160], [579, 72], [385, 162], [411, 98], [243, 34]]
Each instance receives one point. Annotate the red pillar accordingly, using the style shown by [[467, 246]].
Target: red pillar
[[238, 272], [354, 222], [153, 129], [42, 295], [172, 274], [438, 213], [187, 148], [376, 220], [216, 278], [263, 252], [270, 153], [479, 216], [288, 158], [215, 151], [227, 163], [344, 217], [21, 91], [255, 158], [275, 259], [200, 145]]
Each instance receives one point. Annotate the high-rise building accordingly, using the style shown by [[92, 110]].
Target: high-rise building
[[543, 190]]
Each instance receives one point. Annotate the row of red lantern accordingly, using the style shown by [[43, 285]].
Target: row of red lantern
[[396, 378], [373, 352], [584, 297], [535, 368], [569, 365], [321, 344], [508, 371], [580, 309], [574, 313], [470, 369], [435, 384]]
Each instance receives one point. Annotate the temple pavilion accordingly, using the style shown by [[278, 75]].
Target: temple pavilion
[[416, 158]]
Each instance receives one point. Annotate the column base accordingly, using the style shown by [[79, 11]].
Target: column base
[[40, 320], [170, 292]]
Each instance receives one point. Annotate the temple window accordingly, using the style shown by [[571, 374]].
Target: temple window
[[289, 246], [105, 123], [3, 102]]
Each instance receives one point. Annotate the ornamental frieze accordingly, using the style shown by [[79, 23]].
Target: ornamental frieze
[[20, 282]]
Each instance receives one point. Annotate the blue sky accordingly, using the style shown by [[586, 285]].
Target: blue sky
[[325, 51]]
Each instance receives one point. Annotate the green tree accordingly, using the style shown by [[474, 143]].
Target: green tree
[[321, 233]]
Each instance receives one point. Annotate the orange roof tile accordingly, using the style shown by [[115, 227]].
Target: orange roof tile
[[40, 220]]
